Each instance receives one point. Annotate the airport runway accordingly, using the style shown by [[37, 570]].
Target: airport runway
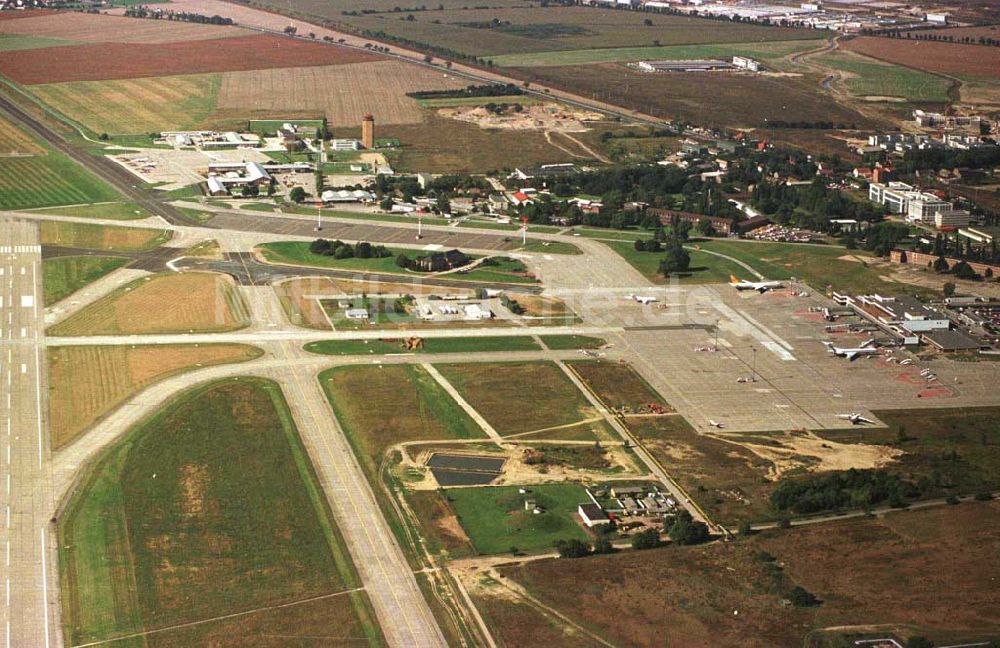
[[29, 598]]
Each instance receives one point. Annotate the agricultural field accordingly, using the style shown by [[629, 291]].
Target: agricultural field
[[942, 58], [141, 105], [17, 42], [344, 93], [101, 237], [500, 393], [767, 51], [102, 61], [95, 28], [946, 551], [561, 342], [88, 382], [467, 149], [617, 385], [737, 100], [62, 276], [490, 344], [496, 521], [871, 78], [208, 509], [164, 303], [543, 29], [380, 407]]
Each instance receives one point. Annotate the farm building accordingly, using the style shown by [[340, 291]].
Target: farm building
[[356, 314], [592, 515], [345, 145], [745, 63], [693, 65]]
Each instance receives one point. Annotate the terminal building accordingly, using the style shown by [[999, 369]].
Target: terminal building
[[917, 207]]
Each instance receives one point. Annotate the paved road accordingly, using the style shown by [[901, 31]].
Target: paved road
[[29, 599]]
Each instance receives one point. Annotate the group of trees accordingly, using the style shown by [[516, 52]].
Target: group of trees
[[142, 11], [848, 489], [340, 250], [933, 36], [485, 90], [811, 206]]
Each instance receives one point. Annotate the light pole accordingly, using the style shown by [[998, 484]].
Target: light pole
[[753, 364], [420, 226], [319, 218]]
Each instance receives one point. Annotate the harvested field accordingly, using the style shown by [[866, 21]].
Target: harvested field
[[141, 105], [467, 149], [867, 77], [101, 237], [207, 510], [944, 58], [344, 93], [95, 62], [932, 572], [500, 393], [165, 303], [86, 383], [97, 28], [736, 99], [17, 42], [541, 29], [15, 142]]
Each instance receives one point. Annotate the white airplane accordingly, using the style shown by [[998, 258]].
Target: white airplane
[[856, 418], [643, 300], [853, 353], [715, 424], [759, 286]]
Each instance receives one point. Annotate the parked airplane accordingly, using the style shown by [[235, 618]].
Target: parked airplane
[[643, 300], [759, 286], [856, 418], [852, 354]]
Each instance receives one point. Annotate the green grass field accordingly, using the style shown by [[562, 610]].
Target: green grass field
[[519, 397], [616, 384], [379, 407], [817, 265], [270, 126], [297, 253], [141, 105], [870, 77], [109, 211], [704, 268], [62, 276], [430, 345], [208, 508], [561, 342], [102, 237], [495, 520], [48, 180], [761, 51]]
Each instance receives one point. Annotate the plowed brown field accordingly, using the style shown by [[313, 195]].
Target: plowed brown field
[[96, 28], [133, 60], [946, 58]]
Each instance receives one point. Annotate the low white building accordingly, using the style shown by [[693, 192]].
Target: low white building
[[356, 313], [592, 515], [345, 145], [347, 196]]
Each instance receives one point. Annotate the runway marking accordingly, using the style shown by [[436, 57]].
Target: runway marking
[[38, 402], [27, 301]]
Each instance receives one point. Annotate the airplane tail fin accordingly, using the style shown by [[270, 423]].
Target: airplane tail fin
[[733, 279], [828, 345]]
